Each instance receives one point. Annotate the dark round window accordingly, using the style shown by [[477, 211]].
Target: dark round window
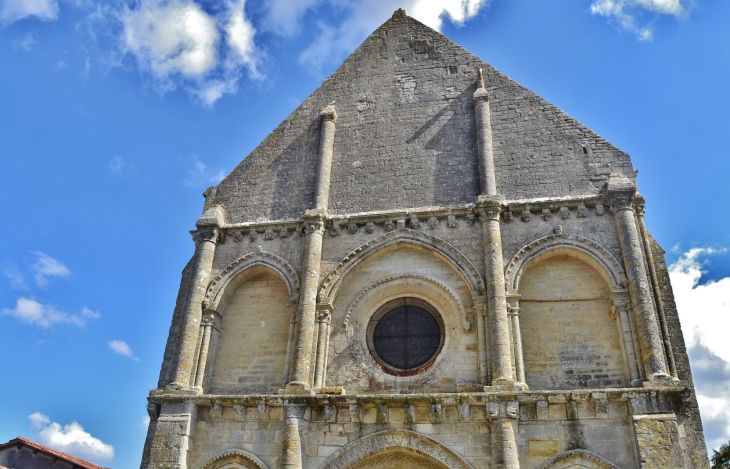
[[405, 335]]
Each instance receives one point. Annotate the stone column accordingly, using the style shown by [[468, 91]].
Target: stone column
[[513, 308], [314, 230], [206, 239], [489, 207], [621, 192], [328, 116], [480, 313], [620, 306], [209, 323], [487, 178], [292, 312], [291, 448], [324, 317], [503, 418], [640, 203]]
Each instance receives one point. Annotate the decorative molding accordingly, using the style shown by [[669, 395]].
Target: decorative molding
[[219, 284], [394, 440], [605, 260], [225, 457], [401, 279], [577, 456], [448, 252]]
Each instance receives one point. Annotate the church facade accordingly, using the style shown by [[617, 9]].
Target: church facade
[[425, 265]]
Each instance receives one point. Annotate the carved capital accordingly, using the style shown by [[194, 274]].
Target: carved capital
[[202, 235], [328, 114], [503, 409], [640, 205], [481, 95], [489, 201], [620, 191], [295, 410]]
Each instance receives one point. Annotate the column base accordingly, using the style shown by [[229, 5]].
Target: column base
[[659, 380], [297, 388], [505, 385], [335, 390]]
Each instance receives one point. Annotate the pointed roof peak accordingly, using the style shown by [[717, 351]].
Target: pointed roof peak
[[399, 13]]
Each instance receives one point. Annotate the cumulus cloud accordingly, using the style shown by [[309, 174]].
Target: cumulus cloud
[[25, 43], [201, 174], [121, 347], [46, 267], [16, 10], [145, 423], [181, 44], [626, 12], [704, 310], [362, 17], [16, 277], [37, 314], [71, 438], [89, 313]]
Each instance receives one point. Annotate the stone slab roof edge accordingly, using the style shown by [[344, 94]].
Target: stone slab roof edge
[[51, 452]]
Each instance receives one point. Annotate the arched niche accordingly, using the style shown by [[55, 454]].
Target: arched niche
[[377, 447], [234, 459], [437, 246], [242, 269], [250, 349], [577, 459], [570, 337]]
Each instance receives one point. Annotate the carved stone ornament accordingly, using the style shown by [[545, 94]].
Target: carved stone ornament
[[546, 214], [526, 215], [558, 230], [389, 225], [330, 413], [401, 225], [252, 235], [216, 411], [409, 414], [205, 234], [311, 227], [507, 216], [352, 228], [269, 234], [237, 236], [600, 209], [582, 210], [324, 316], [382, 416], [435, 413], [451, 221], [564, 213], [512, 409], [370, 227], [414, 223], [292, 410], [433, 223], [334, 230], [470, 218], [284, 232], [240, 411]]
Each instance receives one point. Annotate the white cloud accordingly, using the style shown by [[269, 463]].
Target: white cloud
[[15, 10], [16, 277], [145, 423], [201, 174], [120, 167], [71, 438], [47, 267], [25, 43], [285, 16], [91, 314], [38, 314], [335, 41], [180, 44], [704, 311], [121, 347], [626, 11]]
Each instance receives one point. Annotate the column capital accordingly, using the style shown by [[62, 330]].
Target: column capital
[[639, 204], [503, 410], [481, 95], [620, 192], [294, 410], [206, 234], [329, 113]]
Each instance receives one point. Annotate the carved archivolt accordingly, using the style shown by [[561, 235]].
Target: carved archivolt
[[234, 458], [218, 286], [578, 459], [577, 246], [386, 283], [443, 249], [394, 440]]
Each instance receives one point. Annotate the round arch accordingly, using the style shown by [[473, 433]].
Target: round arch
[[244, 268], [395, 440], [458, 261], [572, 245], [577, 459], [234, 459]]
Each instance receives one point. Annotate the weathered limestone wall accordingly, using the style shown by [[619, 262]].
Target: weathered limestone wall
[[250, 352], [569, 338]]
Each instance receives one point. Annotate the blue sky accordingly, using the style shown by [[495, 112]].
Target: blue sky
[[117, 115]]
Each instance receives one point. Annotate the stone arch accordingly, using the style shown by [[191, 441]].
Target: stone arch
[[395, 440], [234, 459], [236, 273], [577, 459], [573, 245], [458, 261]]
